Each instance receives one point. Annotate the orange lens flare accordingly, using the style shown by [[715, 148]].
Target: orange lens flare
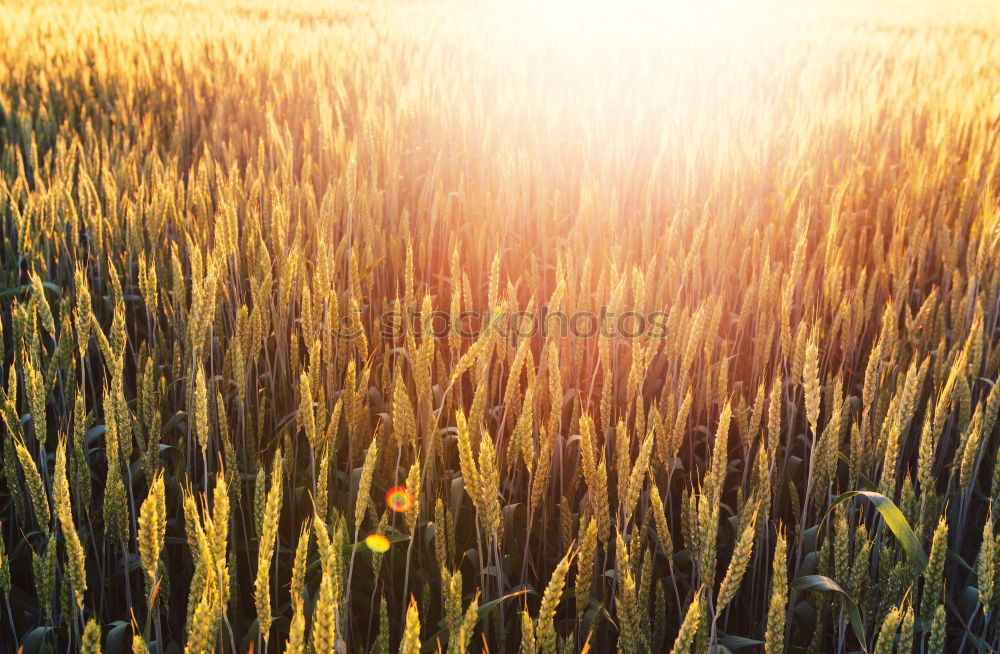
[[399, 499], [377, 543]]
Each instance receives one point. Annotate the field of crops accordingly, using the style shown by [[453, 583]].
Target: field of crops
[[425, 326]]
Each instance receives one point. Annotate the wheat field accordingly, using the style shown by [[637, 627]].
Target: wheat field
[[423, 326]]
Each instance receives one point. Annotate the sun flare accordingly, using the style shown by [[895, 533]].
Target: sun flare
[[542, 327]]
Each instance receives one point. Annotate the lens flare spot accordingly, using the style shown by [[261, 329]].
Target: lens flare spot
[[399, 499], [377, 543]]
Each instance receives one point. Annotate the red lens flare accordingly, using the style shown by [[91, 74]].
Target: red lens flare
[[399, 499]]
